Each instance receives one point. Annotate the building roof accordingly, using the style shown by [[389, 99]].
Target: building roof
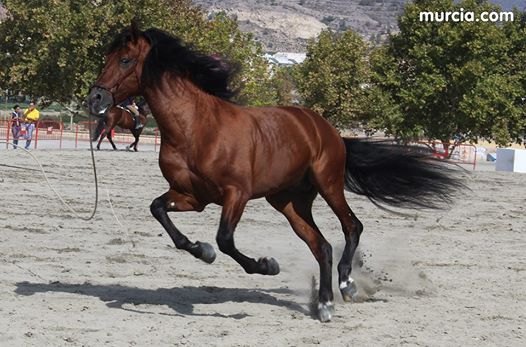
[[285, 58]]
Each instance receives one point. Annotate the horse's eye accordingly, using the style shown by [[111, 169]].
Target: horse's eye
[[125, 61]]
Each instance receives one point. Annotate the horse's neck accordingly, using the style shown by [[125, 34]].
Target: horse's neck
[[179, 108]]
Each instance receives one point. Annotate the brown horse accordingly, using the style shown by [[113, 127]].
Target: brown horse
[[122, 117], [214, 151]]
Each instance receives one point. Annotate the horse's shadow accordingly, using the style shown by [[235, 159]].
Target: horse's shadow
[[181, 300]]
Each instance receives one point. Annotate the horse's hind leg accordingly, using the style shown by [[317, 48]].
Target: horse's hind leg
[[233, 205], [331, 188], [173, 201], [352, 229], [297, 208], [133, 146]]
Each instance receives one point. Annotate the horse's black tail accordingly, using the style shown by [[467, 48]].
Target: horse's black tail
[[98, 130], [398, 175]]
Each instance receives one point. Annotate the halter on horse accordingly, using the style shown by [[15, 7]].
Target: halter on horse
[[214, 151]]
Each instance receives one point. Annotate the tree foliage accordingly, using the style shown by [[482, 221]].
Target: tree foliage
[[450, 80], [54, 48], [331, 78], [516, 32], [283, 83]]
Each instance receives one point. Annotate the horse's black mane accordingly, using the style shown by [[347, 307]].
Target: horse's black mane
[[169, 54]]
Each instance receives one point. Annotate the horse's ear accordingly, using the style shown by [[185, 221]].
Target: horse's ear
[[134, 30]]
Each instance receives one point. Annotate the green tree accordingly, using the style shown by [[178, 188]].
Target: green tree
[[50, 48], [516, 32], [381, 110], [222, 36], [54, 48], [284, 85], [330, 80], [446, 80]]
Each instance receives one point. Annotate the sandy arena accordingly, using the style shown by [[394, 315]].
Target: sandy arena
[[446, 278]]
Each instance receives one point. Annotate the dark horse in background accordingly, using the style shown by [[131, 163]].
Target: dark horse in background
[[215, 151], [122, 117]]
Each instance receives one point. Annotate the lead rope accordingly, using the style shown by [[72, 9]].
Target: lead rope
[[53, 189], [60, 196]]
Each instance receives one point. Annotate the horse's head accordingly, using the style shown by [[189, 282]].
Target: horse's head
[[121, 75]]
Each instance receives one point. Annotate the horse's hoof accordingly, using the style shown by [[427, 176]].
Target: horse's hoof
[[270, 266], [325, 312], [208, 254], [348, 290]]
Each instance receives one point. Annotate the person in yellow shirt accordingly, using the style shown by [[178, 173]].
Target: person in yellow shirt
[[31, 116]]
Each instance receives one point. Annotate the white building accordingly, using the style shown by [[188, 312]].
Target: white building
[[285, 58]]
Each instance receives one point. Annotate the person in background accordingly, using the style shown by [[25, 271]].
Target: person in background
[[31, 116], [130, 105], [16, 124]]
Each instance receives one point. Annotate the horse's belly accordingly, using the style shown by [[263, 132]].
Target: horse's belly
[[273, 181]]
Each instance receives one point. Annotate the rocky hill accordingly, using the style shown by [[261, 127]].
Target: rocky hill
[[286, 25]]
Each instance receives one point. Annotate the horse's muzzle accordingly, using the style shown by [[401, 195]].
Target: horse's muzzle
[[99, 100]]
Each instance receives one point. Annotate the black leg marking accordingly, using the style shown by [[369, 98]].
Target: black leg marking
[[201, 250], [297, 208], [233, 206]]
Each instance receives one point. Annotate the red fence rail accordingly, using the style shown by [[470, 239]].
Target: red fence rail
[[54, 134], [51, 130], [462, 153]]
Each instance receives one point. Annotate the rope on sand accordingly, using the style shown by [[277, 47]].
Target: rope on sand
[[75, 213], [96, 192], [117, 219]]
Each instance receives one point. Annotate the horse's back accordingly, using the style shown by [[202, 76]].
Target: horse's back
[[300, 126], [288, 142]]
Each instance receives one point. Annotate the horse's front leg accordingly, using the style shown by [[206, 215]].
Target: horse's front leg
[[111, 139], [171, 202], [234, 203], [102, 136]]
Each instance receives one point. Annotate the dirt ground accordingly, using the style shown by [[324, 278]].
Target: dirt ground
[[445, 278]]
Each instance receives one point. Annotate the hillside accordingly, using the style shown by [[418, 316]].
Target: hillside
[[286, 25]]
